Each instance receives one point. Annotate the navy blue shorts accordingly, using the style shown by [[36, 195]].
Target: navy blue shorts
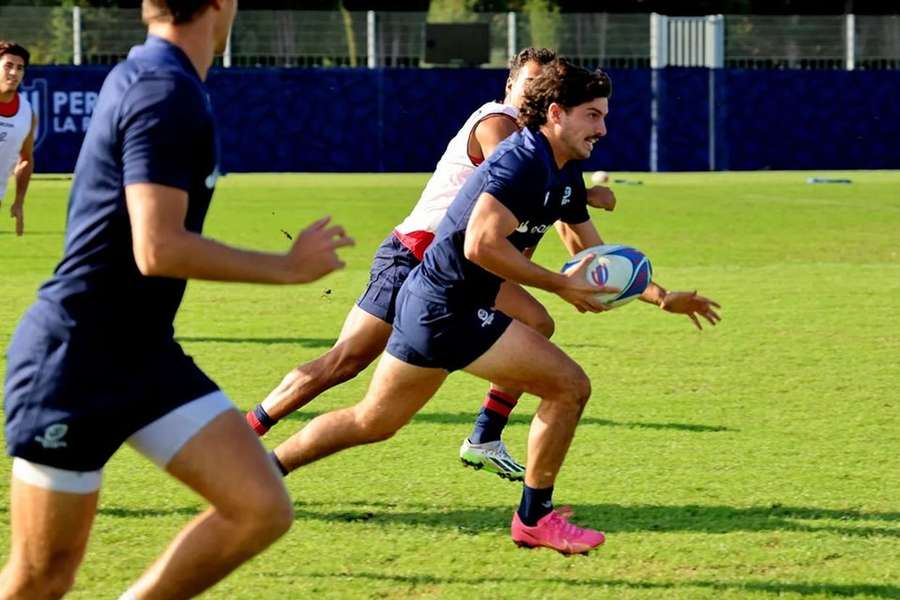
[[392, 263], [73, 395], [443, 335]]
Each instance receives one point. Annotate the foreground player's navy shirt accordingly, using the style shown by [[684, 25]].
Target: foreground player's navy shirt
[[152, 124], [522, 174]]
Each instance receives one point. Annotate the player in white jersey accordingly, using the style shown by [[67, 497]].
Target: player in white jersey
[[17, 126], [368, 326]]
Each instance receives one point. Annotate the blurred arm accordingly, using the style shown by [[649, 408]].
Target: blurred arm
[[163, 247]]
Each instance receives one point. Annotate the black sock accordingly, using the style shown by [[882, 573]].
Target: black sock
[[281, 468], [535, 505], [263, 417]]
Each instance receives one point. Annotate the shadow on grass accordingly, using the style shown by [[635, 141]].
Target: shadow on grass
[[769, 587], [612, 518], [297, 341], [615, 518], [140, 513], [443, 418]]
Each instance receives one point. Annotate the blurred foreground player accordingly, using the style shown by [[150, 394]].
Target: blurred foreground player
[[94, 362]]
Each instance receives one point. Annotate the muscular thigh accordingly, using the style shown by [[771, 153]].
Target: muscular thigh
[[398, 391], [524, 359], [518, 303]]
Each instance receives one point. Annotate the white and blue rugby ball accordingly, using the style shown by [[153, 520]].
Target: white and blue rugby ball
[[616, 266]]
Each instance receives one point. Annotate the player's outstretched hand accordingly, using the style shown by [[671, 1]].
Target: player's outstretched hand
[[313, 254], [581, 294], [691, 304], [601, 197], [17, 212]]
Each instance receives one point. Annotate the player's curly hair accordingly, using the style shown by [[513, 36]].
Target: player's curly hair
[[562, 83], [171, 11], [541, 56], [10, 47]]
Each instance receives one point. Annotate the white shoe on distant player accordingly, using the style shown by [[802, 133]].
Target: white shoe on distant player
[[493, 458]]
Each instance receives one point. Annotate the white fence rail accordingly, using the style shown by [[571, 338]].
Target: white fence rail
[[60, 35]]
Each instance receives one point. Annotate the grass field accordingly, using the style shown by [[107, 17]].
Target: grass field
[[756, 460]]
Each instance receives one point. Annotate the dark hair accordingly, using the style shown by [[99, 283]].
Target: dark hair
[[174, 11], [541, 56], [562, 83], [16, 50]]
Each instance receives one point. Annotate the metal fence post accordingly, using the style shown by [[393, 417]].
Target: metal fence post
[[659, 58], [371, 52], [659, 41], [715, 59], [715, 41], [76, 35], [512, 44], [850, 50]]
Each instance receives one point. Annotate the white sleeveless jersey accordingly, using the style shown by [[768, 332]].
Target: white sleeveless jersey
[[453, 169], [13, 131]]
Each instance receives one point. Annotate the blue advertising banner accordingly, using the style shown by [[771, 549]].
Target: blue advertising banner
[[395, 120]]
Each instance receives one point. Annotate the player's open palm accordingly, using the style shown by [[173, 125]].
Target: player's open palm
[[314, 253], [579, 292], [692, 304]]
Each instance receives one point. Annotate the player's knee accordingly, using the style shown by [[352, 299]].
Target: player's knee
[[268, 515], [60, 583], [545, 325], [576, 387], [348, 362], [541, 321], [50, 580], [376, 427]]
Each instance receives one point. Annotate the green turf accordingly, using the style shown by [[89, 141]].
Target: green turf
[[757, 460]]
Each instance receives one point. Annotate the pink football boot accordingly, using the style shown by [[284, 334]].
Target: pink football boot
[[556, 532]]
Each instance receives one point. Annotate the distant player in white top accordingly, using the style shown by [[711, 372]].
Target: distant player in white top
[[17, 126], [368, 326]]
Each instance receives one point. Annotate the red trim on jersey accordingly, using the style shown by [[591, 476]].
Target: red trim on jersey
[[9, 109], [415, 241], [476, 160]]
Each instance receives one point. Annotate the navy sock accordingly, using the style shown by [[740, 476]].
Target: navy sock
[[493, 417], [536, 503], [263, 417], [281, 468]]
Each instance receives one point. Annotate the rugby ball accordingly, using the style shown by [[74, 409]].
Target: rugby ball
[[617, 266]]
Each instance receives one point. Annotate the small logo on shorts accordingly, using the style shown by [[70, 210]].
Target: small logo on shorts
[[53, 436], [485, 317], [212, 178]]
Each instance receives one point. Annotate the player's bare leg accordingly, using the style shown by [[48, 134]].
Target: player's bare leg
[[363, 337], [524, 359], [397, 392], [483, 448], [50, 533], [225, 464]]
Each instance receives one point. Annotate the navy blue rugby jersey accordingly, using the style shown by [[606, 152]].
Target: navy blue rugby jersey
[[522, 174], [153, 123]]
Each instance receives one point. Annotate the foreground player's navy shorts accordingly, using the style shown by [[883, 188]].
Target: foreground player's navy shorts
[[73, 395], [390, 267], [443, 335]]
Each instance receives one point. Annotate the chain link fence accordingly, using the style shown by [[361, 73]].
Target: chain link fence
[[57, 35]]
